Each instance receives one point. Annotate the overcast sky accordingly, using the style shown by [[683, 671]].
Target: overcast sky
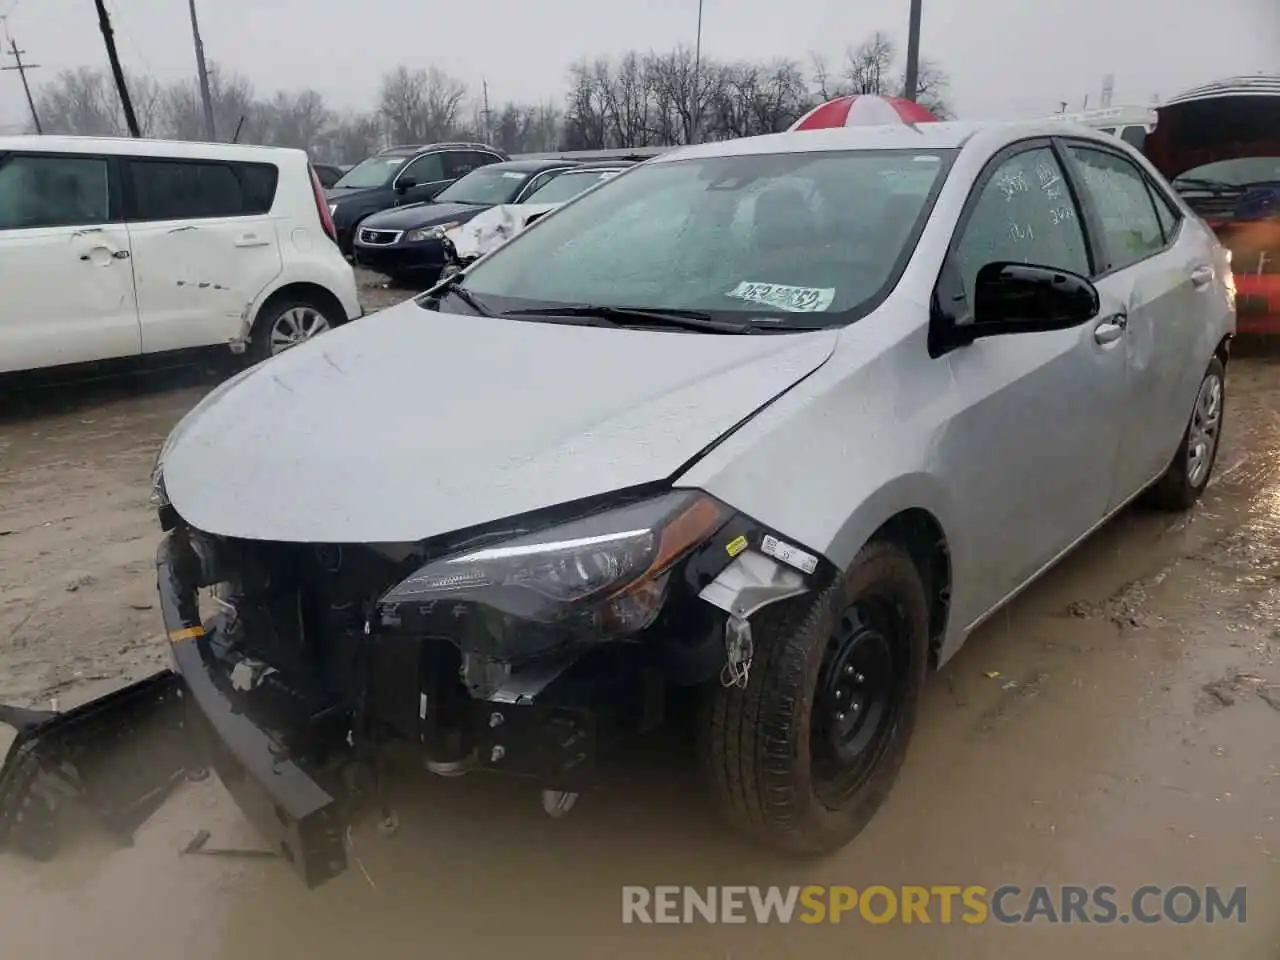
[[1006, 58]]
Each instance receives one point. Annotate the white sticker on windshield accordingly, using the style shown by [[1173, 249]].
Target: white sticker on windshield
[[512, 175], [394, 161], [791, 299]]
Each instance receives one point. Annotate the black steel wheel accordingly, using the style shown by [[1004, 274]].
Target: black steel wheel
[[803, 756], [861, 689]]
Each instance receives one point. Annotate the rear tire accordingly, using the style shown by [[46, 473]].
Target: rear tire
[[1186, 478], [802, 758], [285, 323]]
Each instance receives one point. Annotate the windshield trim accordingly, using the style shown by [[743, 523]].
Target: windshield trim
[[834, 320]]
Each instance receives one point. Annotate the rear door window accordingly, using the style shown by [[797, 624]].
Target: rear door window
[[53, 191], [192, 190], [1130, 226], [458, 163], [1167, 212]]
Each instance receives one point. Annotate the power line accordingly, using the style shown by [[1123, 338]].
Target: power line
[[22, 69]]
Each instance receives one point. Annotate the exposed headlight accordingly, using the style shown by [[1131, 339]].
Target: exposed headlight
[[430, 233], [602, 577]]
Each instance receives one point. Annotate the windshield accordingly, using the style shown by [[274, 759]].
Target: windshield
[[372, 172], [1232, 173], [485, 185], [565, 187], [751, 236]]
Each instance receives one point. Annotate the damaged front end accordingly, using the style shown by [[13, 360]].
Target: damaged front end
[[535, 649]]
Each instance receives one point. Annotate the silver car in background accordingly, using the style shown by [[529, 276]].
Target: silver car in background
[[777, 421]]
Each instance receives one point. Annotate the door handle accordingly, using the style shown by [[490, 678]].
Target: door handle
[[251, 240], [116, 254], [1111, 329], [1202, 276]]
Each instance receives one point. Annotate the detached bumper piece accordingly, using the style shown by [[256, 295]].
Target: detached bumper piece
[[120, 755]]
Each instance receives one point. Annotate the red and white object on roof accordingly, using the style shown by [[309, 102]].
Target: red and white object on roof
[[861, 110]]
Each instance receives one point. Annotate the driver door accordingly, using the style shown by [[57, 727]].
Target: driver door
[[1031, 454]]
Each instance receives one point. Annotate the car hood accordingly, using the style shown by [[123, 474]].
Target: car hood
[[411, 423], [494, 227], [422, 215], [342, 194]]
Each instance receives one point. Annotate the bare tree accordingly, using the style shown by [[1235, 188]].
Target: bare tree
[[869, 68], [233, 100], [932, 89], [586, 125], [351, 138], [639, 99], [294, 120], [421, 106]]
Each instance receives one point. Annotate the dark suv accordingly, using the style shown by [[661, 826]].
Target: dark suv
[[398, 176]]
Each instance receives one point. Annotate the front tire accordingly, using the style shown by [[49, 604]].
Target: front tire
[[802, 758], [1187, 477]]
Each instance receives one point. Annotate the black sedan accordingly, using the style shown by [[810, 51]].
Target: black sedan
[[405, 243]]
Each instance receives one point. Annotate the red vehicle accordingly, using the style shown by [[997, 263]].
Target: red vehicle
[[1220, 146]]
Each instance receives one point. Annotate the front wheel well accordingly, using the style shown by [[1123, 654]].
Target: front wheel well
[[920, 533]]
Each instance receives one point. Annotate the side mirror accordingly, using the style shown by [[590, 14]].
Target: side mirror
[[1026, 298], [405, 183]]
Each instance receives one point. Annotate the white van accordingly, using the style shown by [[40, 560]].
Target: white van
[[1131, 124], [114, 248]]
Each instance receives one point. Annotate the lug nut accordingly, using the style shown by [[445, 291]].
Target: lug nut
[[848, 671], [859, 677], [498, 753], [495, 720], [840, 718]]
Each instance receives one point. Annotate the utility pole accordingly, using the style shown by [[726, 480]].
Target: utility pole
[[203, 72], [488, 127], [22, 69], [104, 23], [696, 109], [911, 84]]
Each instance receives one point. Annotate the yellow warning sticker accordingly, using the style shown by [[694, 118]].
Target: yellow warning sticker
[[188, 633], [736, 546]]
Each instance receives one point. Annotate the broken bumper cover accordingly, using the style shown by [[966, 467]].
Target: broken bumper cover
[[301, 821], [120, 755]]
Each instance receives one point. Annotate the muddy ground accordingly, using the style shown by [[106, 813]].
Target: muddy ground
[[1120, 724]]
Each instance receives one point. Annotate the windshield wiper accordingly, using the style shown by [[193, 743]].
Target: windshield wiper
[[1216, 186], [624, 316], [453, 285]]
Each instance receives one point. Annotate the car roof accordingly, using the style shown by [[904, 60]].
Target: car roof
[[948, 135], [530, 166], [139, 147], [408, 149]]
